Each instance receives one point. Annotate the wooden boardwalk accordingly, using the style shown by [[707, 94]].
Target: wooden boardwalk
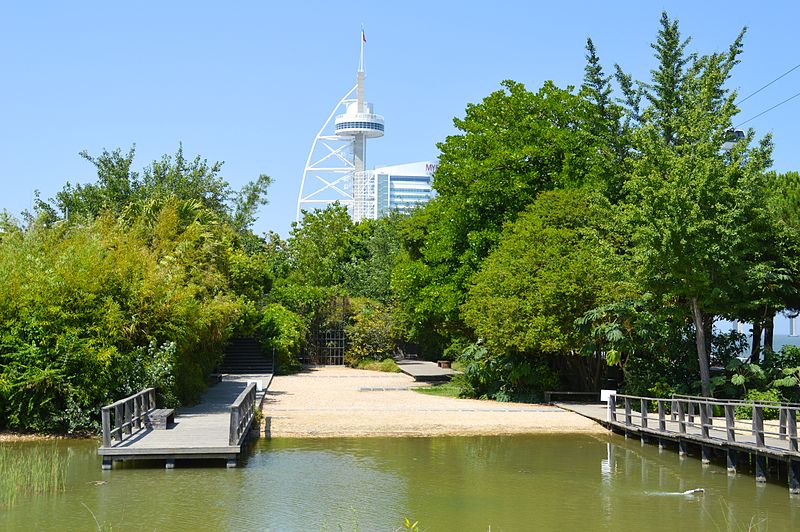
[[425, 371], [694, 424], [209, 430]]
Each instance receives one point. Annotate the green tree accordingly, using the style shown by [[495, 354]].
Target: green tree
[[551, 266], [695, 238], [510, 147]]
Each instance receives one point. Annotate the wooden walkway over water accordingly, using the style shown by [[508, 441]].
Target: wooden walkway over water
[[216, 428], [687, 420]]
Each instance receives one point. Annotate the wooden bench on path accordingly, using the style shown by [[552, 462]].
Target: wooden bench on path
[[160, 418]]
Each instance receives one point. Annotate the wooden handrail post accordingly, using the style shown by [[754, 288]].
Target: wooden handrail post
[[127, 416], [673, 409], [612, 407], [627, 411], [730, 422], [791, 428], [681, 418], [782, 423], [758, 425], [643, 407], [137, 410], [234, 433], [662, 422], [105, 413], [118, 421], [691, 411], [703, 421]]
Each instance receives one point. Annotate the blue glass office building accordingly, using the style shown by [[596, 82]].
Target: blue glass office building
[[402, 187]]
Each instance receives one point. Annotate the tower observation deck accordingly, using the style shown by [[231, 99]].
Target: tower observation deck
[[335, 168]]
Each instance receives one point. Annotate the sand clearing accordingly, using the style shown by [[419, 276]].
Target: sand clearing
[[337, 401]]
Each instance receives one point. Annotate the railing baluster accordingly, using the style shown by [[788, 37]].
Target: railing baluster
[[137, 410], [612, 407], [782, 423], [662, 422], [730, 422], [643, 408], [681, 418], [758, 425], [627, 411], [118, 421], [791, 428], [703, 420], [106, 419]]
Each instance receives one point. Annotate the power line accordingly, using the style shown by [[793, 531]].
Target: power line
[[768, 110], [768, 84]]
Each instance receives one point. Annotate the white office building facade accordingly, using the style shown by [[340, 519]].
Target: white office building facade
[[398, 188]]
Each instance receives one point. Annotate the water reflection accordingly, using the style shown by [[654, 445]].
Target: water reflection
[[470, 483]]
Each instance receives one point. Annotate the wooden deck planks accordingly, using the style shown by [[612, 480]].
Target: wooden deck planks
[[200, 431], [425, 371]]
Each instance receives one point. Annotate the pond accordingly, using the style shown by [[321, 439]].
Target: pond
[[455, 483]]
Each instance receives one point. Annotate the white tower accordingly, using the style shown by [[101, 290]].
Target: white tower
[[335, 166]]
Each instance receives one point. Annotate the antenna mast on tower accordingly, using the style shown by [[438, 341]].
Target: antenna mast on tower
[[334, 169]]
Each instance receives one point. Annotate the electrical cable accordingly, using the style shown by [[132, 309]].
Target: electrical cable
[[768, 110], [768, 84]]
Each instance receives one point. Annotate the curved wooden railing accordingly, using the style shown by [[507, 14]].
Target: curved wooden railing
[[126, 414], [681, 411], [243, 410]]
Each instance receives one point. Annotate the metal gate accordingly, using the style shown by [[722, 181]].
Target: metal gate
[[327, 339]]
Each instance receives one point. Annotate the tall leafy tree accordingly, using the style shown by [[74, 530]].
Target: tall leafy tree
[[697, 209], [552, 265], [510, 147]]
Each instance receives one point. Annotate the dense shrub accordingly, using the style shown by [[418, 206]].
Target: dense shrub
[[283, 332], [504, 377], [93, 312], [370, 332]]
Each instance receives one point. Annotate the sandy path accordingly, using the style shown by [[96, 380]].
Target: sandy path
[[336, 401]]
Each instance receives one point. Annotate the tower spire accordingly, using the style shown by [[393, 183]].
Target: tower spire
[[363, 42]]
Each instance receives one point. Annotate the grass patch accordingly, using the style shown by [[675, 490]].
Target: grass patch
[[445, 389], [30, 471], [387, 365]]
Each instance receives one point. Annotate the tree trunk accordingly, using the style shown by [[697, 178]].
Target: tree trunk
[[769, 331], [755, 350], [702, 353]]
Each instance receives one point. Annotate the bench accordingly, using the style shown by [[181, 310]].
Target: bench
[[160, 418]]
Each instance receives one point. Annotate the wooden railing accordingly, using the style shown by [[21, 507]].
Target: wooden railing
[[243, 410], [684, 410], [126, 414]]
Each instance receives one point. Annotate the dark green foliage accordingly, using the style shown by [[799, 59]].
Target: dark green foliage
[[283, 332], [510, 147], [141, 286], [509, 378], [370, 332], [92, 313]]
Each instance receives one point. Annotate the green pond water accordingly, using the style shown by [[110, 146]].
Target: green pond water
[[542, 482]]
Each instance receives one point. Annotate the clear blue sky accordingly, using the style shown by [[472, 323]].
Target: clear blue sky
[[250, 83]]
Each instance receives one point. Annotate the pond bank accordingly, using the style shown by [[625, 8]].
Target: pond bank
[[344, 402]]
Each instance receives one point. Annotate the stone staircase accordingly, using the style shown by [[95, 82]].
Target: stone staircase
[[243, 356]]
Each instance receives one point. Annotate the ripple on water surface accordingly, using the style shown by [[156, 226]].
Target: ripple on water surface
[[575, 482]]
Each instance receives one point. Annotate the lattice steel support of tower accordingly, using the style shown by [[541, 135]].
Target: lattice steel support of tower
[[334, 169]]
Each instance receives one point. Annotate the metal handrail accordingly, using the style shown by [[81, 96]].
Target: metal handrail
[[128, 413]]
